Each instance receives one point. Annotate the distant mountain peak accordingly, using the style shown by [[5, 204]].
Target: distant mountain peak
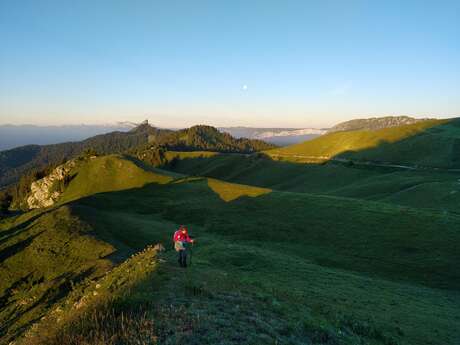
[[144, 126]]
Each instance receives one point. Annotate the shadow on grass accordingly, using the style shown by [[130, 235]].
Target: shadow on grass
[[17, 247], [16, 230], [390, 241]]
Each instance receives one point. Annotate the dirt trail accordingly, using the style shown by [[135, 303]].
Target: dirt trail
[[364, 163]]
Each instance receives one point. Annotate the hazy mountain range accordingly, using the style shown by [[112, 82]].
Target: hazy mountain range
[[18, 135], [277, 136]]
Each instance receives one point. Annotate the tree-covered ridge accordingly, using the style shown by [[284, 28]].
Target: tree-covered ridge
[[207, 138], [197, 138]]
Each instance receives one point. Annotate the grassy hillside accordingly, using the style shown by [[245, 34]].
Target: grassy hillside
[[268, 265], [431, 143], [418, 188]]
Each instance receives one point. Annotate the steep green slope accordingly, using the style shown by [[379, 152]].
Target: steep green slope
[[431, 143], [42, 256], [90, 300]]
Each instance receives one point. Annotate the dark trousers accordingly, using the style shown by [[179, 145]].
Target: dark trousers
[[183, 258]]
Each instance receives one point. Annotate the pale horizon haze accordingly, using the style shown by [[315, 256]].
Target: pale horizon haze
[[227, 63]]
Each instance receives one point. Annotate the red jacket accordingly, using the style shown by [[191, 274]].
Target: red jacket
[[180, 236]]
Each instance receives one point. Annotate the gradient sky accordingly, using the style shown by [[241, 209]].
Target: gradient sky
[[255, 63]]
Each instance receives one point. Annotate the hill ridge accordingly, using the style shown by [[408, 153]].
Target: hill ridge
[[375, 123], [430, 143]]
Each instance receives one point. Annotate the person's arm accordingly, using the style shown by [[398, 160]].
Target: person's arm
[[188, 239]]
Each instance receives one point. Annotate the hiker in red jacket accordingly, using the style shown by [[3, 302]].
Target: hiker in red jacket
[[180, 238]]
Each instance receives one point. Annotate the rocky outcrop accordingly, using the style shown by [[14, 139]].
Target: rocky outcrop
[[46, 191], [374, 123]]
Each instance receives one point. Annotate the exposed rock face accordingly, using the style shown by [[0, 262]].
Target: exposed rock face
[[374, 123], [45, 192]]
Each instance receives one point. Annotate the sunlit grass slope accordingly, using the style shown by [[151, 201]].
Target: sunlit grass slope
[[433, 143], [109, 173], [231, 191]]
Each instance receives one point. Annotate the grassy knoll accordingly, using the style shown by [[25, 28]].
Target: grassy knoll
[[109, 173]]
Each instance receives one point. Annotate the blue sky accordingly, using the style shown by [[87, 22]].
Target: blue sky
[[255, 63]]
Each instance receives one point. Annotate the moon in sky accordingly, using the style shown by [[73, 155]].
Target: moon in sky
[[245, 87]]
